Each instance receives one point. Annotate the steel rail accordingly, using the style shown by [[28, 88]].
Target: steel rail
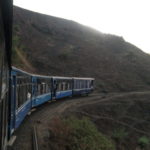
[[35, 139]]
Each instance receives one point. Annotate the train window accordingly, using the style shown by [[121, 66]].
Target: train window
[[44, 86], [23, 88], [66, 86], [74, 84], [80, 84], [77, 84], [39, 89], [59, 86], [92, 82], [69, 86], [87, 83], [47, 88], [61, 89]]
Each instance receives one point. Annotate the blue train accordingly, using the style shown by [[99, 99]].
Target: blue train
[[29, 91], [21, 91]]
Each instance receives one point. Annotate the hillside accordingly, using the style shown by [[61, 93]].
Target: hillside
[[123, 117], [54, 46]]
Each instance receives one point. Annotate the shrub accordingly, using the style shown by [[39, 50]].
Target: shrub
[[119, 134], [77, 134], [143, 141]]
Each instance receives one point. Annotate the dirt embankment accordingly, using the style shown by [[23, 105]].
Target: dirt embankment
[[124, 117]]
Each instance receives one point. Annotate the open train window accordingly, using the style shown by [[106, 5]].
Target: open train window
[[43, 86], [23, 88], [66, 85]]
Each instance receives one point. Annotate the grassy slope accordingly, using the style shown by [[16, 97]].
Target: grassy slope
[[55, 46]]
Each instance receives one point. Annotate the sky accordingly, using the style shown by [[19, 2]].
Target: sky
[[127, 18]]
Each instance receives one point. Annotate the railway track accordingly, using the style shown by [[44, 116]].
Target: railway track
[[35, 145], [81, 105]]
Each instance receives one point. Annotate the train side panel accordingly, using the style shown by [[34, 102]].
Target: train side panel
[[42, 90], [62, 87], [21, 97], [82, 86]]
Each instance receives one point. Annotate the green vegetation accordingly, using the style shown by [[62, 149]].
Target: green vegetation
[[77, 134], [143, 142], [119, 134], [16, 28], [63, 56], [17, 51], [15, 41]]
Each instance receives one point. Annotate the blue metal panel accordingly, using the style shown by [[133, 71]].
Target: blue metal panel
[[62, 94], [13, 106], [22, 112], [34, 80], [41, 99]]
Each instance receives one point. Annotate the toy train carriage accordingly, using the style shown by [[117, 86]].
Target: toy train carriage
[[62, 87], [21, 95], [82, 86], [28, 91], [42, 89]]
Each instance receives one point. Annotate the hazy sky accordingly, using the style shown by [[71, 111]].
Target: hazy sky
[[127, 18]]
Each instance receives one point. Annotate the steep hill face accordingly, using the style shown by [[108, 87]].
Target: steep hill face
[[55, 46]]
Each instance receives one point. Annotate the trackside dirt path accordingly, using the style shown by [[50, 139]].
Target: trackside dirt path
[[108, 111]]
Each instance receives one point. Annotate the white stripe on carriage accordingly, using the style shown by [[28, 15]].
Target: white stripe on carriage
[[22, 106]]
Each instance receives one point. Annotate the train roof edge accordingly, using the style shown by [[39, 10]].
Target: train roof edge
[[55, 77]]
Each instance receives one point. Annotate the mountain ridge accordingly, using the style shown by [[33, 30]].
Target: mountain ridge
[[56, 46]]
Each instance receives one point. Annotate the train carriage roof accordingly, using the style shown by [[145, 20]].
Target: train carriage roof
[[16, 70], [61, 78], [78, 78], [41, 76]]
